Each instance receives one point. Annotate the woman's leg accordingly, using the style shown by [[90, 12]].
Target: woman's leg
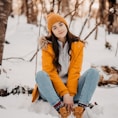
[[86, 86], [48, 93], [46, 89]]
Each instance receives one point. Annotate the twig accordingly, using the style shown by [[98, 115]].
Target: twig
[[92, 31], [14, 58], [34, 55], [2, 107], [116, 49]]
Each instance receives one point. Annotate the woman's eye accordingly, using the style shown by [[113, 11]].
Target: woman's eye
[[61, 24], [54, 28]]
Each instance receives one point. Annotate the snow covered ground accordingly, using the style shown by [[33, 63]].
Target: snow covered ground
[[20, 71]]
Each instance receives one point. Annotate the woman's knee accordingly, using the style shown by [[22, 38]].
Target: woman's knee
[[93, 75], [93, 70], [40, 74]]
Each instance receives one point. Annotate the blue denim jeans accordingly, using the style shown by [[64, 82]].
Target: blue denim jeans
[[86, 86]]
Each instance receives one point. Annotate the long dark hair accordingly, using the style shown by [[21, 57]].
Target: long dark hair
[[55, 45]]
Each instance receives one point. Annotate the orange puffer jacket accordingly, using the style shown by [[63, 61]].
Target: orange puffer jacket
[[73, 73]]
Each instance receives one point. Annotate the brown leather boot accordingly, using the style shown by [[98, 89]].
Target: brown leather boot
[[78, 111], [63, 112]]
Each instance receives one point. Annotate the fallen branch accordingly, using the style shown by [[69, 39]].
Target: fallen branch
[[16, 90], [107, 82]]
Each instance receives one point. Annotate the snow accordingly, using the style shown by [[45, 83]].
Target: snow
[[23, 40]]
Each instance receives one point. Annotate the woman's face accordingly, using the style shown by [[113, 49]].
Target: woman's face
[[59, 29]]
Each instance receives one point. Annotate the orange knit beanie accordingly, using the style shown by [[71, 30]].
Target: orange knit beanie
[[52, 18]]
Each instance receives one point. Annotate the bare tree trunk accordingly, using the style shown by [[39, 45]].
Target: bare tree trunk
[[5, 10], [101, 11], [102, 14], [113, 17], [59, 4], [65, 6], [96, 33], [89, 15], [32, 12]]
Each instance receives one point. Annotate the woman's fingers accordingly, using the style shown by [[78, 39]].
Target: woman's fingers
[[69, 107]]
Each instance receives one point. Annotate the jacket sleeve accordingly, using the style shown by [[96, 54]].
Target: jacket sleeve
[[35, 93], [47, 66], [75, 67]]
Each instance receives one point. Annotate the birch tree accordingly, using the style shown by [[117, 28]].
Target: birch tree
[[5, 10]]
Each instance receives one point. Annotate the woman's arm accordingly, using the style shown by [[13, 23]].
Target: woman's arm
[[75, 67], [48, 66]]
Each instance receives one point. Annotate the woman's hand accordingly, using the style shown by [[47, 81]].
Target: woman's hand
[[68, 102]]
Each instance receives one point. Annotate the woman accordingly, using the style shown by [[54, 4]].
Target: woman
[[60, 82]]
